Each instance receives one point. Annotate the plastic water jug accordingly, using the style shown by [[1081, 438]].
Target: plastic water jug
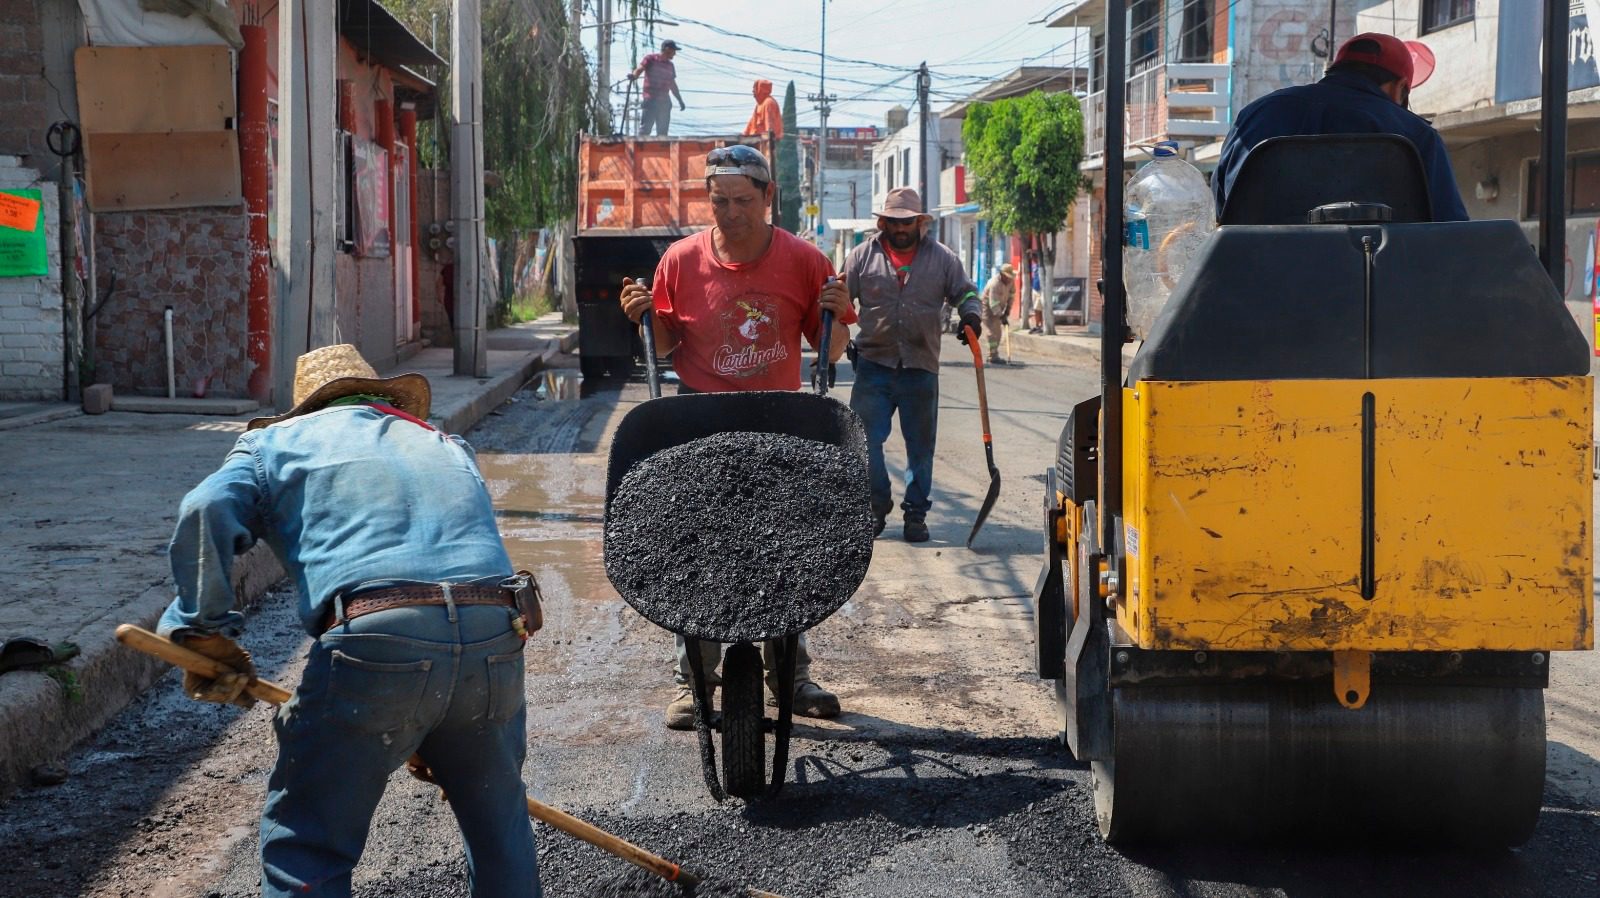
[[1169, 216]]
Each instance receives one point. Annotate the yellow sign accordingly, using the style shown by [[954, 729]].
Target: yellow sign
[[813, 209]]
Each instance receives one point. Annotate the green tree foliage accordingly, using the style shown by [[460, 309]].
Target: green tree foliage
[[789, 167], [537, 95], [1023, 154]]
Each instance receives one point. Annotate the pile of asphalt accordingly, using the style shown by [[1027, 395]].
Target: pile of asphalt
[[636, 883], [740, 536]]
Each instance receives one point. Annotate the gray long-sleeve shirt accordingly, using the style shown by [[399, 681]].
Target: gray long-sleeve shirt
[[900, 325]]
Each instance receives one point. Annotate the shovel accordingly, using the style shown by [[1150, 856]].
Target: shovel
[[273, 694], [988, 441]]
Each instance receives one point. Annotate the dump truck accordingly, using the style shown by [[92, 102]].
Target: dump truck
[[1311, 557], [636, 197]]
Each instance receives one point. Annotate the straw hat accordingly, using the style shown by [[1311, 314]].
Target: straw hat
[[334, 372], [1008, 271]]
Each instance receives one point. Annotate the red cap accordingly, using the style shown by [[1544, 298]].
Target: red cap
[[1411, 61]]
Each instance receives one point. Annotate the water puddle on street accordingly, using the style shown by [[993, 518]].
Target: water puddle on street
[[558, 383]]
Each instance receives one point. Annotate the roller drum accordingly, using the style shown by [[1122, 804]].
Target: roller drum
[[1419, 764]]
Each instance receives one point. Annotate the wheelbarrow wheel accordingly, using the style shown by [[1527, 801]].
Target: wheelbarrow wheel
[[744, 746]]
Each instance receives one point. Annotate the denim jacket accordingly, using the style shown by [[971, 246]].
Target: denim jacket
[[345, 496]]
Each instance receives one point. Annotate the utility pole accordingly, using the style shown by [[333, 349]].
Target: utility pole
[[824, 102], [307, 204], [602, 53], [922, 136], [466, 188]]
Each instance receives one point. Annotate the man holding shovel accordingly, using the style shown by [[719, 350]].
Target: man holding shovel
[[386, 526], [731, 304], [903, 279]]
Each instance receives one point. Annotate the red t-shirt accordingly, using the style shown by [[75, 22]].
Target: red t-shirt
[[739, 323], [902, 260]]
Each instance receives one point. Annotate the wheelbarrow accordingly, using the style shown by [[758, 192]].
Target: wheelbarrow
[[664, 422]]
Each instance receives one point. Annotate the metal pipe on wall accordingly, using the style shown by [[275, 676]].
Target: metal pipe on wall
[[254, 150], [172, 379]]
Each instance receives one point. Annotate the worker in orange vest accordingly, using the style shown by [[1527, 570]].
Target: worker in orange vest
[[767, 117]]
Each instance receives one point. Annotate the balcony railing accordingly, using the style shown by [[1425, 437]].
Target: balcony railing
[[1171, 101]]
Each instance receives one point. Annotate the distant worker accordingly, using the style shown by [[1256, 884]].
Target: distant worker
[[767, 117], [413, 611], [903, 279], [1367, 90], [997, 308], [730, 305], [660, 86]]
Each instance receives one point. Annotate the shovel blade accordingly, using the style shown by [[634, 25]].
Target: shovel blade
[[988, 504]]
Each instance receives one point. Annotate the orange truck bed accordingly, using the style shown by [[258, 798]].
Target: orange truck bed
[[647, 185]]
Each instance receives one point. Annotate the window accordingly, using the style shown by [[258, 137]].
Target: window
[[1194, 36], [888, 168], [877, 182], [905, 168], [1582, 188], [1437, 14], [1144, 32]]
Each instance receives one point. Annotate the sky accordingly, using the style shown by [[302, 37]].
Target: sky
[[873, 47]]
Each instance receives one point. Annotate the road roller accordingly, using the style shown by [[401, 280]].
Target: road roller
[[1309, 559]]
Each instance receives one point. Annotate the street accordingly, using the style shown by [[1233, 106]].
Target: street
[[944, 776]]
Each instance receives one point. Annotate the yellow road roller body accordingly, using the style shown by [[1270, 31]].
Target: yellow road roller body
[[1432, 514]]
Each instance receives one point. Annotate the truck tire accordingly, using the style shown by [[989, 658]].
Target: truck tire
[[744, 747]]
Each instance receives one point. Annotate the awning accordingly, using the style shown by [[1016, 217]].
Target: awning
[[381, 37]]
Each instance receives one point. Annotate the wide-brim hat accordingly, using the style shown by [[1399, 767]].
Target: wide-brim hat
[[902, 202], [334, 372], [1008, 271]]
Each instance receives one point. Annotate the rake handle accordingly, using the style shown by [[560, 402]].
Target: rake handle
[[190, 660]]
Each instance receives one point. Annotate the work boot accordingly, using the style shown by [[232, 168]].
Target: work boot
[[916, 530], [879, 521], [996, 360], [680, 712], [811, 700]]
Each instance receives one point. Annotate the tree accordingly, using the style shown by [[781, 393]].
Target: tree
[[1023, 154], [789, 167]]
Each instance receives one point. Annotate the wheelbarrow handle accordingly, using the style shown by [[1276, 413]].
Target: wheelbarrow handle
[[819, 378], [648, 322]]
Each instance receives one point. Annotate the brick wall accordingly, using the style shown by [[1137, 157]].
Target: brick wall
[[22, 85], [195, 260], [31, 350]]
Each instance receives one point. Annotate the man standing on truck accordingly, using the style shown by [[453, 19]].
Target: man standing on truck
[[730, 305], [1367, 90], [903, 280], [767, 117], [660, 86]]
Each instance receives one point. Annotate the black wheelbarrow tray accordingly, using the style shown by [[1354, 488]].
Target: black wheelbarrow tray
[[671, 421]]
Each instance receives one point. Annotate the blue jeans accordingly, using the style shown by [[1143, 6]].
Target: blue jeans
[[445, 683], [878, 392]]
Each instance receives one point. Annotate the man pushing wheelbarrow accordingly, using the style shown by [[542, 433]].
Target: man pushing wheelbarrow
[[730, 305]]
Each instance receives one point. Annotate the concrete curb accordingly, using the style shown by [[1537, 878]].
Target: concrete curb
[[53, 413], [1072, 348], [39, 722]]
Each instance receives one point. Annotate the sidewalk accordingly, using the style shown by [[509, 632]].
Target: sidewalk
[[1069, 344], [87, 505]]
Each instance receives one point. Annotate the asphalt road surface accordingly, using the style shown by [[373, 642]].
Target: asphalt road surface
[[944, 777]]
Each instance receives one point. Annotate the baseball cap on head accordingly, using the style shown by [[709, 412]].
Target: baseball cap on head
[[1411, 61], [738, 159], [669, 45]]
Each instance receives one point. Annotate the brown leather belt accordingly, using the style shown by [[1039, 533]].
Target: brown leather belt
[[374, 600]]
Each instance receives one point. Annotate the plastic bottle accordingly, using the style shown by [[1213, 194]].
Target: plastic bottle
[[1168, 217]]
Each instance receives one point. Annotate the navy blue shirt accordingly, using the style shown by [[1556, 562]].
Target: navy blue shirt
[[1338, 104]]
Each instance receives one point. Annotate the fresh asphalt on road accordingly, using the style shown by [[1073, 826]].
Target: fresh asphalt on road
[[944, 777]]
